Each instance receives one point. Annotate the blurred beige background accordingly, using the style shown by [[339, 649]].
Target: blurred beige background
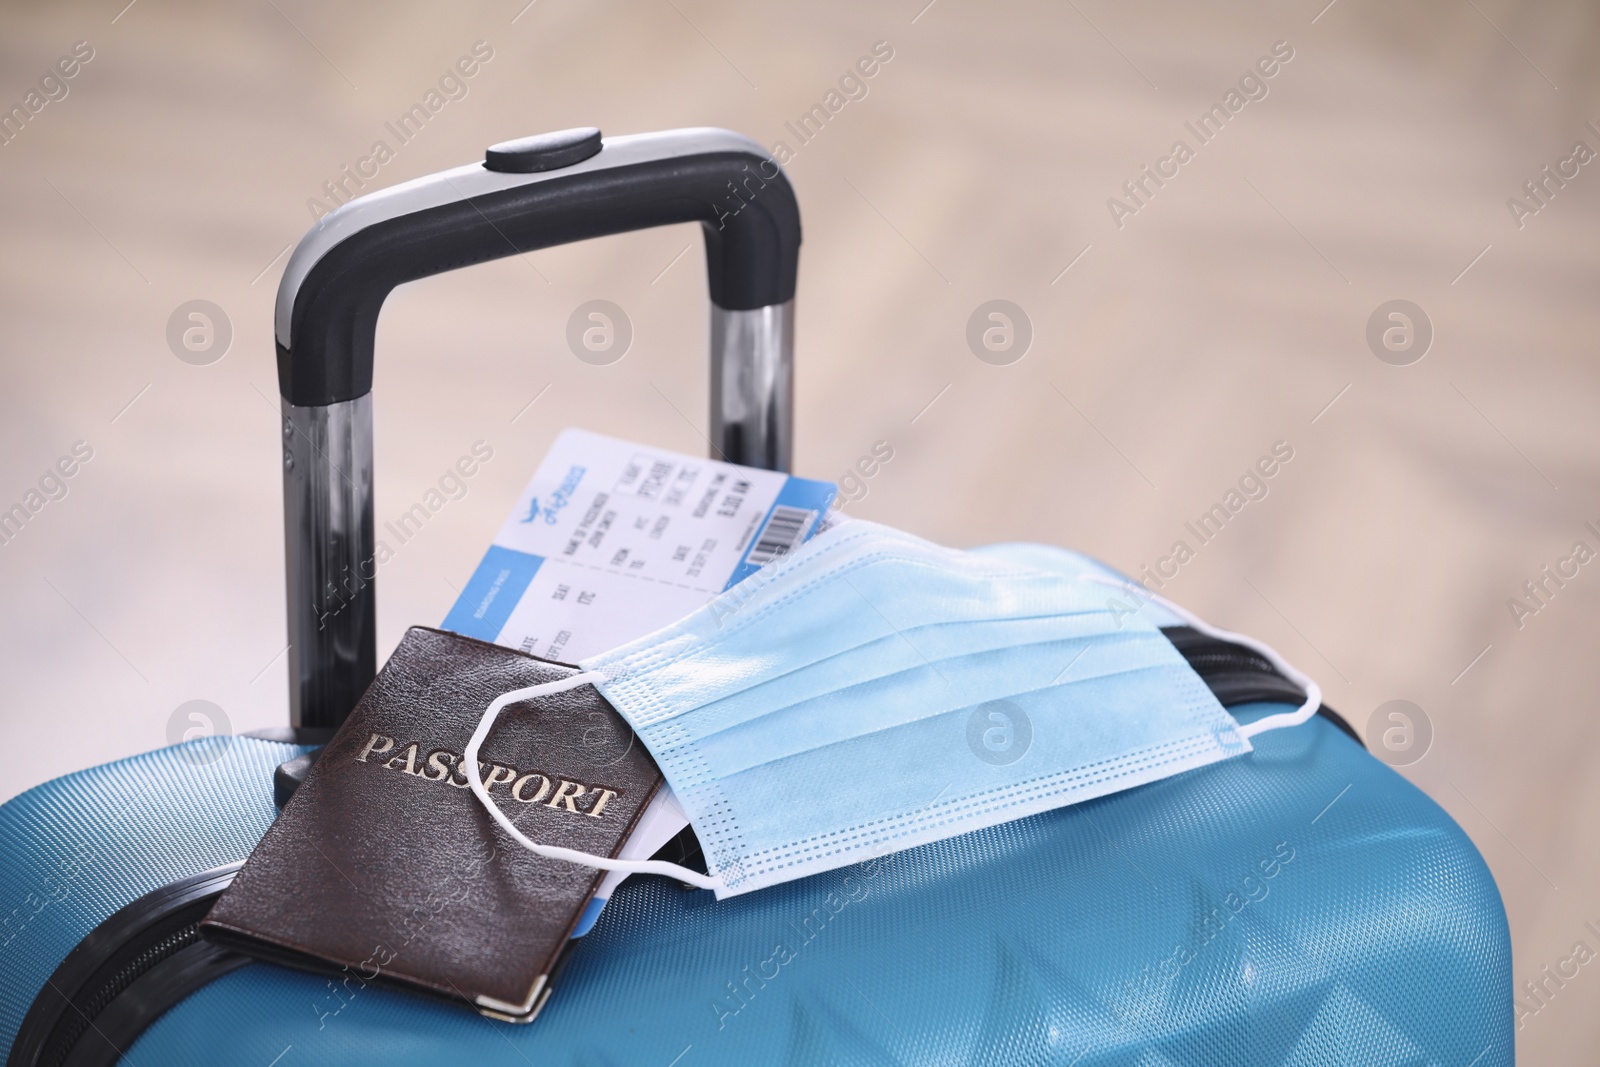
[[1227, 314]]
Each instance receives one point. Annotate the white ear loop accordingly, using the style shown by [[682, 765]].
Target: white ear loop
[[1271, 722], [556, 852]]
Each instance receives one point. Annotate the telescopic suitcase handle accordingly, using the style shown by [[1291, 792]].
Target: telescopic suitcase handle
[[528, 194]]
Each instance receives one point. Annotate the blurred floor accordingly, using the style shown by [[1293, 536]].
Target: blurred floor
[[1227, 313]]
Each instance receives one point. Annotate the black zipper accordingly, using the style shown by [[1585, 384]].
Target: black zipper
[[125, 974], [1239, 675], [91, 1002]]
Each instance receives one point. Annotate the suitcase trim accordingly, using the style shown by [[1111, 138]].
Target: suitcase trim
[[143, 959]]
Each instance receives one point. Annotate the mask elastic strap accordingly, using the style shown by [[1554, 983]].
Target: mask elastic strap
[[555, 852], [1271, 722]]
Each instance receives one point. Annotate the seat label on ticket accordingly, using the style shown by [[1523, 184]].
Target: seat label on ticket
[[611, 540]]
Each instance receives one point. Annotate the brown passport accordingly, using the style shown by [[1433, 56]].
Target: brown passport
[[385, 868]]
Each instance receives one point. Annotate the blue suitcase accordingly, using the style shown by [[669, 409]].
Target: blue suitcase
[[1302, 905]]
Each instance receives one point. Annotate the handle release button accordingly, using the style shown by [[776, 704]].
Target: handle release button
[[545, 151]]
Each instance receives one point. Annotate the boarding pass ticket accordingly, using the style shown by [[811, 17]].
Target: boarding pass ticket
[[612, 540]]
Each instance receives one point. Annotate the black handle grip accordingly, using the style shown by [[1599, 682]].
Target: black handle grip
[[339, 276]]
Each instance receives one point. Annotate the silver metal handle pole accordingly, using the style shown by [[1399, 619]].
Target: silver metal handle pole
[[752, 386], [328, 544]]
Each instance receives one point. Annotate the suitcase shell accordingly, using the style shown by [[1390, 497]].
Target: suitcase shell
[[1142, 928], [1301, 905]]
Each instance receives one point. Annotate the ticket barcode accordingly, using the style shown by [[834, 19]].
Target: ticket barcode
[[785, 528]]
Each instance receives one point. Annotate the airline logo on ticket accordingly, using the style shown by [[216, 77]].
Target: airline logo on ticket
[[611, 540]]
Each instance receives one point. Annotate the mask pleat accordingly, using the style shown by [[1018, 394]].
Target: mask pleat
[[870, 691]]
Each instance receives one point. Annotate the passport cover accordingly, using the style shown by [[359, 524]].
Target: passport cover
[[384, 867]]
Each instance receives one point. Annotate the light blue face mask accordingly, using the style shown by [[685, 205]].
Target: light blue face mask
[[872, 691]]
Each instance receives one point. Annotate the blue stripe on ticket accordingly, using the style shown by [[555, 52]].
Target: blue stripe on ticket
[[492, 594]]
